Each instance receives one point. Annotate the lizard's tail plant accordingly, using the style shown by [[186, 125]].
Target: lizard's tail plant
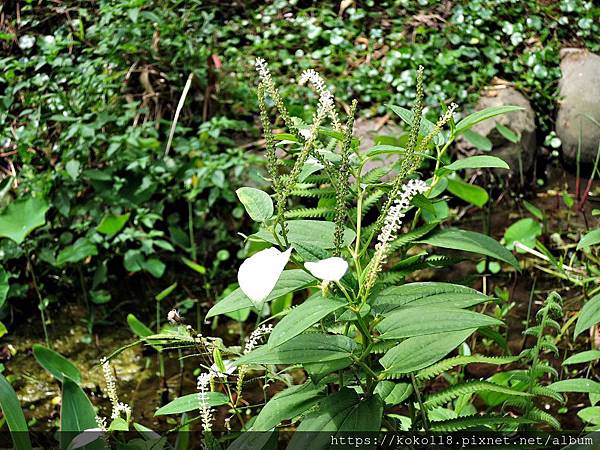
[[364, 341]]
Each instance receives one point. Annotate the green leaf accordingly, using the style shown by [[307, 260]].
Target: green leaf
[[76, 415], [589, 315], [13, 415], [591, 238], [56, 364], [138, 328], [576, 385], [21, 217], [525, 231], [421, 351], [4, 285], [509, 134], [477, 162], [303, 316], [111, 224], [393, 393], [289, 281], [191, 402], [81, 249], [482, 115], [306, 348], [591, 414], [118, 424], [318, 371], [258, 204], [342, 412], [427, 293], [425, 127], [319, 233], [479, 141], [470, 193], [470, 241], [193, 265], [582, 357], [287, 404], [431, 320], [534, 210]]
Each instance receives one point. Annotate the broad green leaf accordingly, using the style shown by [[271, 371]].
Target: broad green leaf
[[81, 249], [138, 328], [421, 351], [509, 134], [165, 292], [582, 357], [482, 115], [4, 285], [306, 348], [431, 320], [111, 224], [56, 364], [426, 126], [13, 415], [576, 385], [470, 193], [470, 241], [591, 414], [479, 141], [76, 415], [289, 281], [525, 231], [342, 412], [445, 295], [393, 393], [534, 210], [589, 315], [258, 204], [21, 217], [191, 402], [318, 371], [319, 233], [477, 162], [304, 316], [287, 404], [118, 424], [591, 238]]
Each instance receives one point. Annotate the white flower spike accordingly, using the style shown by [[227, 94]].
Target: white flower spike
[[259, 274], [330, 269]]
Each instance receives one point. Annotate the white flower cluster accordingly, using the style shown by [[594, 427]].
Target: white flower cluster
[[206, 412], [111, 389], [392, 223], [263, 71], [325, 97], [256, 336], [393, 219]]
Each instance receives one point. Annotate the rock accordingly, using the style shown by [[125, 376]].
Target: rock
[[520, 156], [580, 94]]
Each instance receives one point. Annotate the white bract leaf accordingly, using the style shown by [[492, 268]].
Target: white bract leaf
[[330, 269], [229, 369], [258, 275]]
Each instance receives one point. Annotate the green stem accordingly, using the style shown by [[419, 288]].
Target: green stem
[[421, 406], [40, 299]]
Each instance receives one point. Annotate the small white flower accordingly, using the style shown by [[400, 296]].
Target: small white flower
[[330, 269], [229, 369], [173, 316], [259, 274]]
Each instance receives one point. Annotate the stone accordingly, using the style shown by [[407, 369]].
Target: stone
[[520, 156], [579, 95]]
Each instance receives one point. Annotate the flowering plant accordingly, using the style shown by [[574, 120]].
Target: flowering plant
[[367, 340]]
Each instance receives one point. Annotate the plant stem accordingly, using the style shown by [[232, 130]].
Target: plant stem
[[40, 299], [191, 230], [421, 406]]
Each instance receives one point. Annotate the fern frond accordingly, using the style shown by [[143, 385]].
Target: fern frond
[[533, 331], [309, 213], [469, 387], [542, 416], [391, 277], [411, 236], [381, 347], [314, 192], [447, 364], [374, 175], [463, 423], [542, 369], [371, 200], [547, 392], [316, 179]]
